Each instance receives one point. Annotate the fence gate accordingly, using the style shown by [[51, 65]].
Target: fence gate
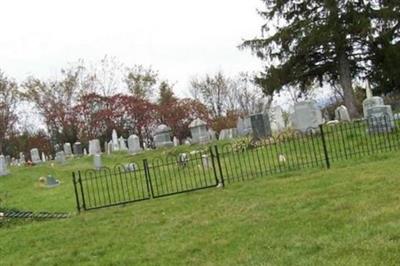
[[109, 187], [153, 179]]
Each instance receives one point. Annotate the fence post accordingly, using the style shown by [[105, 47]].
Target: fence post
[[83, 194], [219, 166], [148, 178], [76, 193], [213, 166], [328, 164]]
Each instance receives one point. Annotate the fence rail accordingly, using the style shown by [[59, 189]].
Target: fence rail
[[237, 161]]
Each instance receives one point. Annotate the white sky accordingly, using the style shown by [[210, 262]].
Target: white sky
[[180, 38]]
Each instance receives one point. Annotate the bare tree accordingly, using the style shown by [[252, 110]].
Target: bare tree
[[8, 100]]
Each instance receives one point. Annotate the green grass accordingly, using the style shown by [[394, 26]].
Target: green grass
[[349, 215]]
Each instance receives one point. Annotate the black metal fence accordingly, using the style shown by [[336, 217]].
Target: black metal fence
[[236, 161]]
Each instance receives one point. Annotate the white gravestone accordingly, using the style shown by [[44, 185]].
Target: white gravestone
[[67, 149], [122, 144], [134, 144], [342, 114], [276, 119], [35, 156], [176, 141], [22, 158], [306, 116], [198, 130], [94, 147], [97, 161], [228, 133], [115, 142], [43, 157], [3, 166]]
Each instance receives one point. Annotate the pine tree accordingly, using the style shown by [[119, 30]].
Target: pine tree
[[314, 41]]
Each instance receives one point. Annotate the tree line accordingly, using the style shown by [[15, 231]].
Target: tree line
[[87, 102]]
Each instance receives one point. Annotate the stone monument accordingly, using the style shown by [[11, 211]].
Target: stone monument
[[122, 144], [3, 166], [134, 144], [115, 142], [261, 125], [67, 149], [35, 156], [243, 126], [94, 147], [97, 161], [306, 116], [198, 130], [276, 119], [162, 136], [342, 114], [77, 148]]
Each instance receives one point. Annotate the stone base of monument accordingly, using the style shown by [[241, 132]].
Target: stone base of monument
[[165, 144]]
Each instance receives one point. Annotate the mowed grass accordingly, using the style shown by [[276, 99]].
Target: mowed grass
[[349, 215]]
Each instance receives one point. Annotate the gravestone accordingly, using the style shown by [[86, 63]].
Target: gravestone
[[97, 161], [342, 114], [212, 135], [198, 130], [261, 125], [134, 144], [115, 142], [187, 141], [3, 166], [205, 161], [8, 160], [276, 119], [77, 148], [22, 158], [176, 141], [67, 149], [60, 157], [243, 126], [306, 116], [109, 147], [94, 147], [43, 157], [228, 133], [380, 119], [35, 156], [162, 136], [122, 144], [371, 102], [183, 159], [85, 152], [130, 167], [51, 182]]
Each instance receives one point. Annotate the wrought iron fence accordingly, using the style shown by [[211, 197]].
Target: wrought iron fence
[[237, 161]]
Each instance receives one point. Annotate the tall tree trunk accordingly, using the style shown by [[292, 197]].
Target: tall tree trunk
[[345, 81]]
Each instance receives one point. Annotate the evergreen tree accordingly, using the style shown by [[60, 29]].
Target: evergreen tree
[[313, 41], [166, 94]]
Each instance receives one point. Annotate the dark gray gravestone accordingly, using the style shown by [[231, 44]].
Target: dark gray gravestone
[[261, 126], [77, 148]]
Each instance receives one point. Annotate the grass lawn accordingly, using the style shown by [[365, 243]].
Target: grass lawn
[[349, 215]]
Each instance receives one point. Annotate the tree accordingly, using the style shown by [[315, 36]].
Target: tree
[[55, 101], [313, 41], [385, 71], [8, 100], [213, 91], [141, 81], [166, 93]]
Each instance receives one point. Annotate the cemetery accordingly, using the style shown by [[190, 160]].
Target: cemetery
[[193, 133]]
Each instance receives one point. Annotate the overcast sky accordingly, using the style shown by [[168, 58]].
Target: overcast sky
[[180, 38]]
